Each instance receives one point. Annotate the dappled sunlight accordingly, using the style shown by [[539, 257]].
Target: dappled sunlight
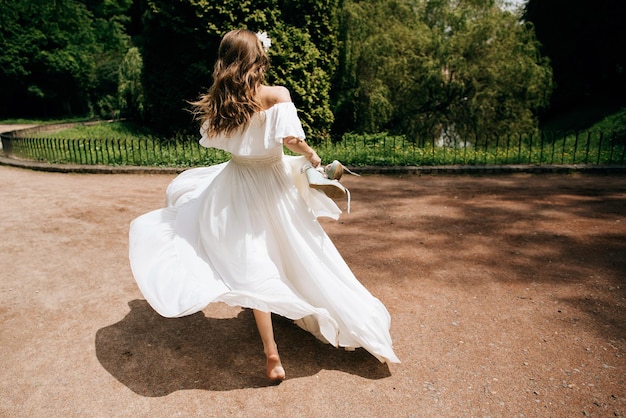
[[510, 230]]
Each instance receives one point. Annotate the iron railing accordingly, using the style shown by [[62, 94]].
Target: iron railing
[[545, 148]]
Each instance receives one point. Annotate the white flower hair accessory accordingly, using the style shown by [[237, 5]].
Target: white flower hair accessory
[[265, 40]]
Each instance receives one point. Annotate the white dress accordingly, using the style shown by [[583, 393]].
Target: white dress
[[245, 233]]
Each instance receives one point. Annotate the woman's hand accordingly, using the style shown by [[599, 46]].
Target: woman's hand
[[314, 159]]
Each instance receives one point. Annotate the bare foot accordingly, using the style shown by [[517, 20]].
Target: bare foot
[[274, 368]]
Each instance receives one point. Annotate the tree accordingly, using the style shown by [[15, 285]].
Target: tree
[[430, 68]]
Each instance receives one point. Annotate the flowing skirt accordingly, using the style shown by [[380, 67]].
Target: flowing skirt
[[246, 233]]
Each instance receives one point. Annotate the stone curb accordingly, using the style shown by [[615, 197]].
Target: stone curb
[[413, 170]]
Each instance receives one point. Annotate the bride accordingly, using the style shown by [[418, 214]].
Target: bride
[[245, 232]]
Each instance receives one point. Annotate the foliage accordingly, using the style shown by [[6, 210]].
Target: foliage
[[432, 70], [46, 63], [439, 69], [61, 57], [303, 53], [129, 87]]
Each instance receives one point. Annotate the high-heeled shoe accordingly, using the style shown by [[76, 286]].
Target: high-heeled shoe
[[334, 170], [318, 180]]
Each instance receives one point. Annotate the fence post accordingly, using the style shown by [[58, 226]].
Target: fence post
[[599, 147], [563, 148], [587, 147], [612, 147], [540, 145], [575, 147]]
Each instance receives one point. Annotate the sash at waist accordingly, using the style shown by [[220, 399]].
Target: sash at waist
[[256, 161]]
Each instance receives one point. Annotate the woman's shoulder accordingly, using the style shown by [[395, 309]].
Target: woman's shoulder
[[272, 95]]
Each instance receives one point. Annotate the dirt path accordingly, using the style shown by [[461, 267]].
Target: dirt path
[[507, 296]]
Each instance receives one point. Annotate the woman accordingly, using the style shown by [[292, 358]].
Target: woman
[[245, 232]]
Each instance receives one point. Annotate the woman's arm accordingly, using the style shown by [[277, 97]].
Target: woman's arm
[[300, 146]]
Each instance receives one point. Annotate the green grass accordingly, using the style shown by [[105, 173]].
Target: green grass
[[615, 122], [102, 130]]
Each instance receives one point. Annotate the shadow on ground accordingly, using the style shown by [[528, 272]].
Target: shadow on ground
[[155, 356]]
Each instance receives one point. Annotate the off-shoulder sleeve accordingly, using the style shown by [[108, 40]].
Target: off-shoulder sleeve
[[203, 134], [214, 142], [204, 138], [282, 121]]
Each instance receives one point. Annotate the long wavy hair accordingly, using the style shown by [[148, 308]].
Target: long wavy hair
[[239, 71]]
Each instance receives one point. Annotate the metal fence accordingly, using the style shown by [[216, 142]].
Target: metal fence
[[545, 148], [114, 152]]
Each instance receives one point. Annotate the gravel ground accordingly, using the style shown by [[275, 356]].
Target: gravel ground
[[507, 295]]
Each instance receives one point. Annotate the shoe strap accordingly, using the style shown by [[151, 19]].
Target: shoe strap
[[351, 172]]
